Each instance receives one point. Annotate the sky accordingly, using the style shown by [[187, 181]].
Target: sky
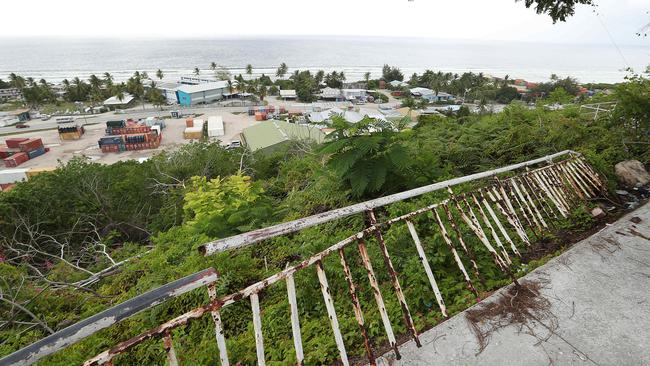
[[439, 19]]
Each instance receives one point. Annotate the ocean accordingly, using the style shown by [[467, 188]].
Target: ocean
[[56, 59]]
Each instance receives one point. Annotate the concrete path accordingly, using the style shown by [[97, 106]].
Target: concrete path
[[600, 295]]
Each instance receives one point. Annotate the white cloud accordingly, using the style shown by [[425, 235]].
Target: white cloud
[[458, 19]]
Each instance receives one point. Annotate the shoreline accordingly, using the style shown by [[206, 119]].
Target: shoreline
[[352, 73]]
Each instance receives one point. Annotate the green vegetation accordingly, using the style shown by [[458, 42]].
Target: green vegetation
[[41, 94], [556, 9], [60, 230]]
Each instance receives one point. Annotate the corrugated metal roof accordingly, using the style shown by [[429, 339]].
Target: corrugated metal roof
[[114, 101], [421, 91], [270, 133], [288, 93], [189, 89]]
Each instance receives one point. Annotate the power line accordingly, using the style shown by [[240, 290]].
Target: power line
[[611, 38]]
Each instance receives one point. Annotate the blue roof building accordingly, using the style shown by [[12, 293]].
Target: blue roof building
[[188, 95]]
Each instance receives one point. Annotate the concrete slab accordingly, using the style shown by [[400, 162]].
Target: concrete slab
[[600, 295]]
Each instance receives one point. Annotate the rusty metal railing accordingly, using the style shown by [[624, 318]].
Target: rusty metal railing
[[500, 214], [92, 325]]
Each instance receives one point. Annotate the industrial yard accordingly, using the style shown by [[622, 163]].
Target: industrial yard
[[87, 145]]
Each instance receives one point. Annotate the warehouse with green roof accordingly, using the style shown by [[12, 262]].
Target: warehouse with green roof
[[271, 135]]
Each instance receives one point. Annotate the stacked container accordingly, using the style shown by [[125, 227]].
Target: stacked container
[[19, 150], [71, 132], [16, 159], [130, 135], [13, 142], [6, 152], [195, 132]]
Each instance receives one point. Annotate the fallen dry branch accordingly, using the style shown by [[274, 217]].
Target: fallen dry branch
[[518, 306]]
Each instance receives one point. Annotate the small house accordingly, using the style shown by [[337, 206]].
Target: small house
[[288, 94], [114, 102]]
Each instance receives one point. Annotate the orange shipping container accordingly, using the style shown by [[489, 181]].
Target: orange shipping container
[[259, 116], [189, 122]]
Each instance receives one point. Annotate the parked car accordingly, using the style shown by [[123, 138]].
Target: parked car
[[234, 144], [22, 125]]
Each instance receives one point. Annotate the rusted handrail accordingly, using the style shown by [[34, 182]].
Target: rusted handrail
[[500, 214], [87, 327], [251, 237]]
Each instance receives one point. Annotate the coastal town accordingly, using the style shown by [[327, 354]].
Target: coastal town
[[260, 114], [333, 183]]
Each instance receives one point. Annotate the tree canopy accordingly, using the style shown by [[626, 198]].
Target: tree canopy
[[558, 10]]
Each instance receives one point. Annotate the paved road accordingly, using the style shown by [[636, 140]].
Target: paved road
[[134, 113], [600, 294]]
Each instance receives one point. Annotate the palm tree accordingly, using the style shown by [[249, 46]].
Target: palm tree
[[320, 75], [249, 70], [213, 65], [159, 74], [282, 70], [197, 72], [409, 103], [17, 81], [262, 92], [95, 82], [366, 77], [229, 87], [119, 92], [108, 81], [144, 75], [79, 87]]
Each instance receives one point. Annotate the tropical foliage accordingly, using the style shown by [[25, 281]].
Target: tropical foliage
[[88, 236]]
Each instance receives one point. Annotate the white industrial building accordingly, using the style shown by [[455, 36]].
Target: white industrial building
[[202, 93]]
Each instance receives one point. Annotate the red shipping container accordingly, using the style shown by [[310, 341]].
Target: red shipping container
[[6, 152], [16, 159], [7, 186], [13, 142], [30, 145]]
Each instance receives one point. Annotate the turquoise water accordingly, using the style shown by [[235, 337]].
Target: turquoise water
[[55, 59]]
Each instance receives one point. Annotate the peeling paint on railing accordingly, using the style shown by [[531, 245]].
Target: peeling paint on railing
[[527, 202]]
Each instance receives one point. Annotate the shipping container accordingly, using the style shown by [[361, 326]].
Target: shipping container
[[189, 122], [8, 176], [198, 123], [260, 116], [193, 133], [215, 126], [15, 160], [13, 142], [30, 145], [36, 153], [117, 124], [6, 187], [111, 140], [32, 172], [6, 152], [70, 135]]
